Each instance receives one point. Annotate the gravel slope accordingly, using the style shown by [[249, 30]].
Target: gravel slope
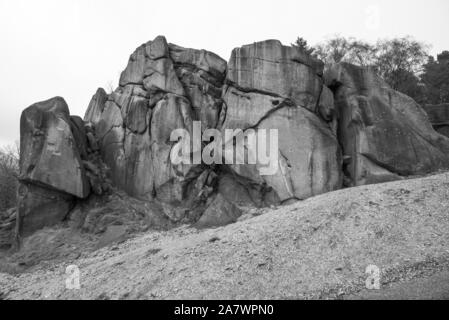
[[318, 248]]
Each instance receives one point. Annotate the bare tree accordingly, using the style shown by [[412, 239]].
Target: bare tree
[[397, 59], [110, 87], [340, 49]]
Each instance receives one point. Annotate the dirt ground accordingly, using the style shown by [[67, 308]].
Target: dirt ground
[[314, 249]]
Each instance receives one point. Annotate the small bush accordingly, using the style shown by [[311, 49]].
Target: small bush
[[9, 170]]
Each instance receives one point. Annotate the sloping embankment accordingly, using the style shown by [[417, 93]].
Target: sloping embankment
[[318, 248]]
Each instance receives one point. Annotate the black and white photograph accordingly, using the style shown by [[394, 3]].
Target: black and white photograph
[[224, 156]]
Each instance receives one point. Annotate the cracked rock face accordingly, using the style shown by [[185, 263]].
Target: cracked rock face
[[163, 88], [49, 153], [270, 86], [348, 123], [51, 168], [384, 134], [270, 68]]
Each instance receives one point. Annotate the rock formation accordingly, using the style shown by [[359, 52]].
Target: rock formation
[[51, 170], [439, 117], [54, 153], [369, 134], [385, 135], [271, 86], [268, 85], [164, 87]]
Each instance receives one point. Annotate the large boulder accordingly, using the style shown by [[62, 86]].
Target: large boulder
[[164, 87], [52, 173], [271, 86], [49, 154], [385, 135], [439, 117]]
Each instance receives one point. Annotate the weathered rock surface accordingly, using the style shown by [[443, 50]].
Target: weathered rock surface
[[41, 207], [439, 117], [271, 86], [59, 164], [51, 170], [49, 153], [96, 106], [163, 88], [286, 72], [125, 136], [385, 135], [166, 87]]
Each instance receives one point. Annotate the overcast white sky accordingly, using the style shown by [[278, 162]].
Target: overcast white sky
[[70, 48]]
